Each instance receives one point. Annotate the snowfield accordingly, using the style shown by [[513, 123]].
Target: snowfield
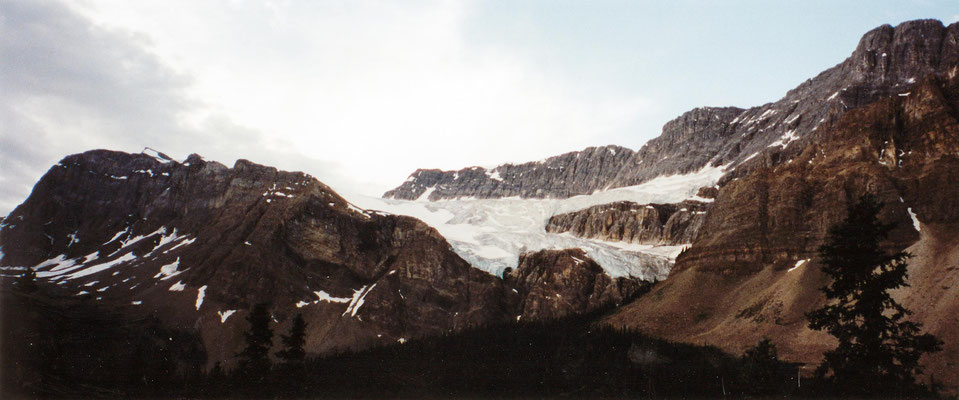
[[491, 233]]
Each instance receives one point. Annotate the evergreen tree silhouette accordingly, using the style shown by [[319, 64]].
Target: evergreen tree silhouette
[[762, 367], [878, 351], [254, 359], [293, 353]]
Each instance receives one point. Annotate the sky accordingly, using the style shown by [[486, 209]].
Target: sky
[[361, 93]]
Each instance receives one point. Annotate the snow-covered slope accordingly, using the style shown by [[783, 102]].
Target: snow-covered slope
[[491, 233]]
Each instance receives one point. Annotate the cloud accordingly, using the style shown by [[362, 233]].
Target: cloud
[[69, 86], [378, 88], [357, 94]]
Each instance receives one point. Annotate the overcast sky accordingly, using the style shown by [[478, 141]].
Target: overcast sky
[[361, 93]]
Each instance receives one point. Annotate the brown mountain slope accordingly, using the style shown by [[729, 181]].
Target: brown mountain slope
[[196, 244], [752, 271]]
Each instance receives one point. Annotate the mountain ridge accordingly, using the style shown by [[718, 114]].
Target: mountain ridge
[[885, 62], [196, 244]]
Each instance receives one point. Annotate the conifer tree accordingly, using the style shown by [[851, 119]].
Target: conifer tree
[[879, 350], [761, 366], [293, 353], [254, 359]]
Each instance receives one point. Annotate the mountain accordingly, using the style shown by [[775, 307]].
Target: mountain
[[883, 121], [753, 270], [196, 244], [724, 212], [886, 62], [562, 176]]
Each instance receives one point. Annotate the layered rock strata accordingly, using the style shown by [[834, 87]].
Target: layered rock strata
[[625, 221]]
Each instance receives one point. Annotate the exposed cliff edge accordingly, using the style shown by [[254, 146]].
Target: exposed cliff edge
[[669, 224], [556, 283]]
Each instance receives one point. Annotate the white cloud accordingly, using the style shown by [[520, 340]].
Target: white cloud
[[378, 88], [358, 94], [68, 87]]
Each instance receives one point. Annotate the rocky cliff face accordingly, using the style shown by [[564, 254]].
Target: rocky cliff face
[[625, 221], [561, 176], [555, 283], [197, 243], [887, 61], [753, 271]]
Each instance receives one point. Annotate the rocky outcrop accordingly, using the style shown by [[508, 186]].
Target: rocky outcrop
[[558, 177], [887, 61], [629, 222], [555, 283], [197, 243], [753, 270]]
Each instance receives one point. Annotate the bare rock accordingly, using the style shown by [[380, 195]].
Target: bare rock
[[555, 283], [629, 222]]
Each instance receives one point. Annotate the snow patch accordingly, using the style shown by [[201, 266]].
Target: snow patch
[[115, 237], [798, 264], [167, 239], [768, 112], [126, 243], [98, 268], [156, 155], [60, 265], [225, 314], [200, 294], [792, 118], [751, 156], [168, 271], [786, 138], [182, 243], [426, 195], [324, 296], [73, 239], [357, 210], [359, 297], [915, 221]]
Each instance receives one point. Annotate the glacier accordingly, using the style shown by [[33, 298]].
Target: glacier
[[490, 234]]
